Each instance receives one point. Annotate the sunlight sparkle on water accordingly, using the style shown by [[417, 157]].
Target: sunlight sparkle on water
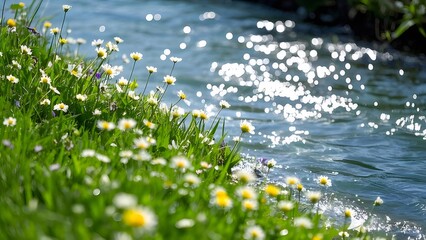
[[286, 78]]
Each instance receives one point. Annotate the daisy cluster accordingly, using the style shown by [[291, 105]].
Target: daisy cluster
[[89, 152]]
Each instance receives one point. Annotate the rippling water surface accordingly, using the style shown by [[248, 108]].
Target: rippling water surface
[[322, 103]]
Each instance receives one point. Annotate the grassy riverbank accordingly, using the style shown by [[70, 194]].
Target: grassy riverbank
[[86, 153]]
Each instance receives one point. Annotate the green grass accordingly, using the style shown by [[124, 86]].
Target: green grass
[[72, 169]]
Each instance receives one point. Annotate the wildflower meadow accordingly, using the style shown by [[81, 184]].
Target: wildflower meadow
[[88, 152]]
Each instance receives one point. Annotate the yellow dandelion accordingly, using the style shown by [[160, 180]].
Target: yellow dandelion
[[63, 41], [140, 218], [272, 190], [11, 23], [317, 237], [348, 213], [47, 24], [220, 198]]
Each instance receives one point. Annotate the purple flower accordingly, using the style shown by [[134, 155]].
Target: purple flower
[[263, 161], [98, 75]]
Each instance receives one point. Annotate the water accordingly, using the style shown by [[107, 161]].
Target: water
[[322, 103]]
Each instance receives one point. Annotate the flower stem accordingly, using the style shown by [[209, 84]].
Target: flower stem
[[146, 84]]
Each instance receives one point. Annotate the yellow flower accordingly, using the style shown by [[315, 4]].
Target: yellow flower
[[221, 198], [47, 24], [223, 201], [63, 41], [140, 217], [11, 23], [272, 190], [317, 237], [348, 213], [54, 31]]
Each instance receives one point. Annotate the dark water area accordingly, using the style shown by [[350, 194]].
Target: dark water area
[[322, 102]]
